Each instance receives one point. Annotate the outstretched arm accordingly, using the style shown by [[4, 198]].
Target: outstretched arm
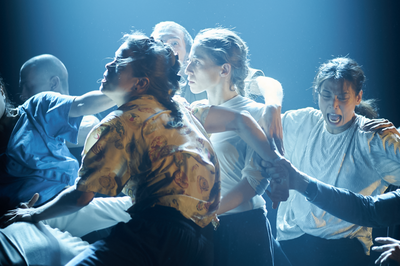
[[67, 202], [90, 103], [355, 208], [220, 119]]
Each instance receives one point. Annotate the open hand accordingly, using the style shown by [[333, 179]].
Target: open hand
[[380, 126], [390, 249], [20, 214]]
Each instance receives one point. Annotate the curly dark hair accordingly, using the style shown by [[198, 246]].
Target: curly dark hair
[[157, 62]]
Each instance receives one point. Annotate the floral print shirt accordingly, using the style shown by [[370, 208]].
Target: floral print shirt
[[134, 151]]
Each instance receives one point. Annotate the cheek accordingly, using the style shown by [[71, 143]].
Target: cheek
[[347, 111], [321, 105]]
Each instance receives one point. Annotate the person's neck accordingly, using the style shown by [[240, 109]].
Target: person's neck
[[221, 94]]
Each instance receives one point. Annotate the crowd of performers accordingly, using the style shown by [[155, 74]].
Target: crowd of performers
[[175, 171]]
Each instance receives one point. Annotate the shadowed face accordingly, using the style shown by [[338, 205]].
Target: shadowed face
[[175, 38], [119, 78], [31, 81], [337, 102]]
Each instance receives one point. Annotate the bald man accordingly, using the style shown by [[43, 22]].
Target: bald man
[[43, 73], [47, 73]]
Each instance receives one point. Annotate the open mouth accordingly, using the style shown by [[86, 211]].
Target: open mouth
[[334, 118]]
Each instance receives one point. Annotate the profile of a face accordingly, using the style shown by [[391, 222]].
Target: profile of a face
[[337, 101], [118, 79], [175, 38], [203, 73]]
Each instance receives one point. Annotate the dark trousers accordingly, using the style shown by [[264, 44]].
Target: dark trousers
[[309, 250], [246, 239], [158, 236]]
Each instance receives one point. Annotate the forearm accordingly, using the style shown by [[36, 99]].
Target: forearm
[[220, 119], [242, 192], [67, 202], [355, 208], [90, 103], [250, 131]]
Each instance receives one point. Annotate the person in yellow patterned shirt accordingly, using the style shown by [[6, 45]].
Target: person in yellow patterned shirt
[[154, 148]]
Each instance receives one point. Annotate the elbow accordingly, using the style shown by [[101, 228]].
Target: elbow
[[84, 199]]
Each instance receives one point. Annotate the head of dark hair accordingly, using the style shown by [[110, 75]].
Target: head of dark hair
[[157, 62], [340, 69], [225, 46]]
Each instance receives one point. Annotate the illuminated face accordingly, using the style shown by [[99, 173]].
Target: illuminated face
[[32, 82], [203, 73], [337, 101], [119, 79], [175, 38]]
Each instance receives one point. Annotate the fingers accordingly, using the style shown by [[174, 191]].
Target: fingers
[[266, 164], [275, 201], [7, 219], [30, 203], [33, 200], [386, 240], [384, 257], [279, 146], [384, 248]]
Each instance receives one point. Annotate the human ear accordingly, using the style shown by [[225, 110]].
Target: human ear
[[359, 97], [55, 83], [142, 85], [225, 70]]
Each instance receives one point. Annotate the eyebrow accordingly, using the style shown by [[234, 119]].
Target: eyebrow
[[199, 57], [169, 37]]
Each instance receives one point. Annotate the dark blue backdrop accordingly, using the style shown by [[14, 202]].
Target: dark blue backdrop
[[287, 39]]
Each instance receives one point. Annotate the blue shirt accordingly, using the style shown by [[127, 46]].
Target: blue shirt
[[37, 159]]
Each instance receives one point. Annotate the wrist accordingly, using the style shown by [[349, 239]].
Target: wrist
[[34, 215], [311, 190], [299, 181]]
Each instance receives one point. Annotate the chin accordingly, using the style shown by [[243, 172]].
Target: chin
[[196, 91]]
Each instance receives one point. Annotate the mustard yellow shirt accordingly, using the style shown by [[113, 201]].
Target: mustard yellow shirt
[[133, 151]]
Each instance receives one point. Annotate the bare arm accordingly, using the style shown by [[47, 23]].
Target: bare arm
[[272, 91], [90, 103], [242, 192], [67, 202], [220, 119]]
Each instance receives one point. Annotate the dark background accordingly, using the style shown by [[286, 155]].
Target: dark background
[[288, 39]]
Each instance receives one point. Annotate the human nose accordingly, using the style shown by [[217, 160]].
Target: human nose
[[110, 65], [188, 69], [335, 102]]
